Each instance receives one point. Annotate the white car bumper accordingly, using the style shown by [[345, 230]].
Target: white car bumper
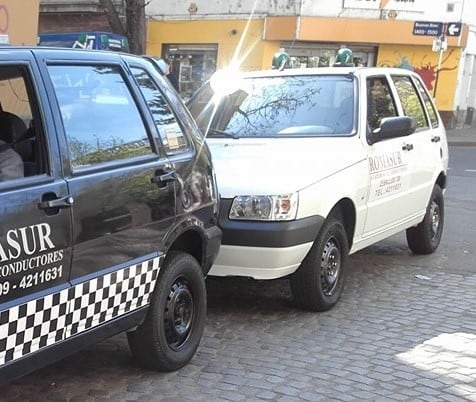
[[259, 262]]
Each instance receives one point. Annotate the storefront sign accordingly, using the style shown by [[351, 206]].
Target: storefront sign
[[375, 4], [404, 5]]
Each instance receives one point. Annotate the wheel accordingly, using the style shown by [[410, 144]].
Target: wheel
[[318, 283], [425, 238], [171, 332]]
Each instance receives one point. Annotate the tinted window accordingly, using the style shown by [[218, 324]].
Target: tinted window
[[279, 106], [380, 103], [428, 103], [411, 103], [101, 120], [170, 132], [22, 145]]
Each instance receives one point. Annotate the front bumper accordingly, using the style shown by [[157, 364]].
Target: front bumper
[[263, 250]]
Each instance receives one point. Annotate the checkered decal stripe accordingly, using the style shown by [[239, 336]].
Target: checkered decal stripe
[[107, 297], [31, 326]]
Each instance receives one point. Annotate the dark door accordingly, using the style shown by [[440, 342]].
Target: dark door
[[124, 191]]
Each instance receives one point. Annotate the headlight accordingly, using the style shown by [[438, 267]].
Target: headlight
[[265, 207]]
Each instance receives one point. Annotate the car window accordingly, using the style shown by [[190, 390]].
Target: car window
[[101, 120], [171, 134], [430, 107], [380, 103], [22, 144], [410, 100], [279, 106]]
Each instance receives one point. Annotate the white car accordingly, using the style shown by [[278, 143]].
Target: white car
[[316, 164]]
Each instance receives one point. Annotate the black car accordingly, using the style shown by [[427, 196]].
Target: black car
[[108, 210]]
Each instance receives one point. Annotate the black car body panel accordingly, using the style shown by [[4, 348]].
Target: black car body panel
[[107, 191]]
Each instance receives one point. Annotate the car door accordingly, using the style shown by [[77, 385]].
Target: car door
[[122, 186], [426, 140], [35, 217], [390, 163]]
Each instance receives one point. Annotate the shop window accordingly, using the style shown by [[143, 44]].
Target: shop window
[[191, 66]]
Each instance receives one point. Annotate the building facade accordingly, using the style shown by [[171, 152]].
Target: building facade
[[435, 38]]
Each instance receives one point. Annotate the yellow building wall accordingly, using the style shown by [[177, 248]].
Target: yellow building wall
[[424, 61], [19, 20], [239, 41]]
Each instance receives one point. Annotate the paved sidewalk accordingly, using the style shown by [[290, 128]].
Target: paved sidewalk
[[465, 136]]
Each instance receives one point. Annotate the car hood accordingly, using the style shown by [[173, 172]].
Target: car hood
[[279, 166]]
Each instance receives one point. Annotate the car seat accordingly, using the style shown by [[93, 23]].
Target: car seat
[[13, 131]]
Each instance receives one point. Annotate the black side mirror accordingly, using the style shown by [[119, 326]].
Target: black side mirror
[[392, 127]]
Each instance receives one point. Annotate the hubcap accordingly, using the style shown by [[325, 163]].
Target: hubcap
[[179, 311], [434, 219], [330, 266]]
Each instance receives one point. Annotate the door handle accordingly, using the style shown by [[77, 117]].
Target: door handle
[[435, 138], [162, 177], [63, 202], [407, 147]]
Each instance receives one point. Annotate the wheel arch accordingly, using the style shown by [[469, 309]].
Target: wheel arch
[[442, 180], [344, 210], [190, 241]]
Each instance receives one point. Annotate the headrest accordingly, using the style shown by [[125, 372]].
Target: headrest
[[12, 127]]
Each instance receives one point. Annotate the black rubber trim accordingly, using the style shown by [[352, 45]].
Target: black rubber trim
[[267, 234]]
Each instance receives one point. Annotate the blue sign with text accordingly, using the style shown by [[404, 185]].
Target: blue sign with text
[[428, 28]]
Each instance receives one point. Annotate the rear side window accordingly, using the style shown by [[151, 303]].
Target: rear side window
[[100, 118], [410, 100], [171, 134], [430, 107]]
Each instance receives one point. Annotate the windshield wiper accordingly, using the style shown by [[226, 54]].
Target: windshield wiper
[[215, 131]]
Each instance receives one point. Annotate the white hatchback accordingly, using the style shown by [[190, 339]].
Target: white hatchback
[[316, 164]]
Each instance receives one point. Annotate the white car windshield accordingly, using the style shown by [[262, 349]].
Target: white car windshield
[[302, 105]]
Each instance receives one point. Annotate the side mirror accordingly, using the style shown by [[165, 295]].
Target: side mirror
[[392, 127]]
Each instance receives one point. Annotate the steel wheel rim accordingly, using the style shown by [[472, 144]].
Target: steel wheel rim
[[434, 219], [330, 266], [179, 313]]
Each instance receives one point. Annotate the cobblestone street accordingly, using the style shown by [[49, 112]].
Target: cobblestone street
[[404, 330]]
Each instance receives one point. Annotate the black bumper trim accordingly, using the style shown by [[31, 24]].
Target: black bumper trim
[[267, 234]]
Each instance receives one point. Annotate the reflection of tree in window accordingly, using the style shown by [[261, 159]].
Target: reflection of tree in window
[[170, 132], [157, 104], [101, 120], [84, 153], [410, 101], [270, 105]]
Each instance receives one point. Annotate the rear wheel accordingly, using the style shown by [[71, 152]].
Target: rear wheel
[[425, 238], [171, 332], [318, 283]]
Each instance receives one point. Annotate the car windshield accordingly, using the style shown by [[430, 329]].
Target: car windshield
[[278, 106]]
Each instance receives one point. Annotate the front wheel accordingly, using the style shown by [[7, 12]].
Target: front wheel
[[171, 332], [318, 283], [425, 238]]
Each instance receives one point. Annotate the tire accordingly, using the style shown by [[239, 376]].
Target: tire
[[425, 238], [318, 283], [171, 332]]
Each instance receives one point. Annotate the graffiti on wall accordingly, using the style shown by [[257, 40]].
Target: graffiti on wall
[[4, 19], [440, 78]]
